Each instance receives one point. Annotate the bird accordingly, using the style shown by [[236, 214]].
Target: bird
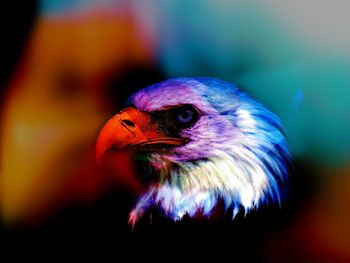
[[206, 141]]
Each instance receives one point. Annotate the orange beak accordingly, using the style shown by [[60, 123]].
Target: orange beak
[[131, 128]]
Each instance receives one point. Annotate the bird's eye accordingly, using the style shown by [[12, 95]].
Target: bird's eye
[[186, 115]]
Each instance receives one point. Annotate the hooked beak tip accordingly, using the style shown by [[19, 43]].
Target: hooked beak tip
[[106, 138], [101, 148]]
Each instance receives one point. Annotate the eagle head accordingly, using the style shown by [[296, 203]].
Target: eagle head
[[206, 141]]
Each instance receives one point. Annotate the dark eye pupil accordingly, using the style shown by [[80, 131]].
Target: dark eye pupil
[[185, 116]]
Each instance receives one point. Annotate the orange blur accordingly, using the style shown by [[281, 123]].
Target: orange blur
[[55, 105]]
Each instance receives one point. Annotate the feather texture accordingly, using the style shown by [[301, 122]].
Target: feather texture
[[237, 151]]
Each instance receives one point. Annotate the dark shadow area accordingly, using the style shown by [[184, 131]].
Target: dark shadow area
[[132, 79], [100, 232], [18, 19]]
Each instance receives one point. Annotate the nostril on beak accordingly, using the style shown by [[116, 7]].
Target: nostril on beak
[[128, 123]]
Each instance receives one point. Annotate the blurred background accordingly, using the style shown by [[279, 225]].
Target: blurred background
[[68, 65]]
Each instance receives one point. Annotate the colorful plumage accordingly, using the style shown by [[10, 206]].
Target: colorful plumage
[[207, 141]]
